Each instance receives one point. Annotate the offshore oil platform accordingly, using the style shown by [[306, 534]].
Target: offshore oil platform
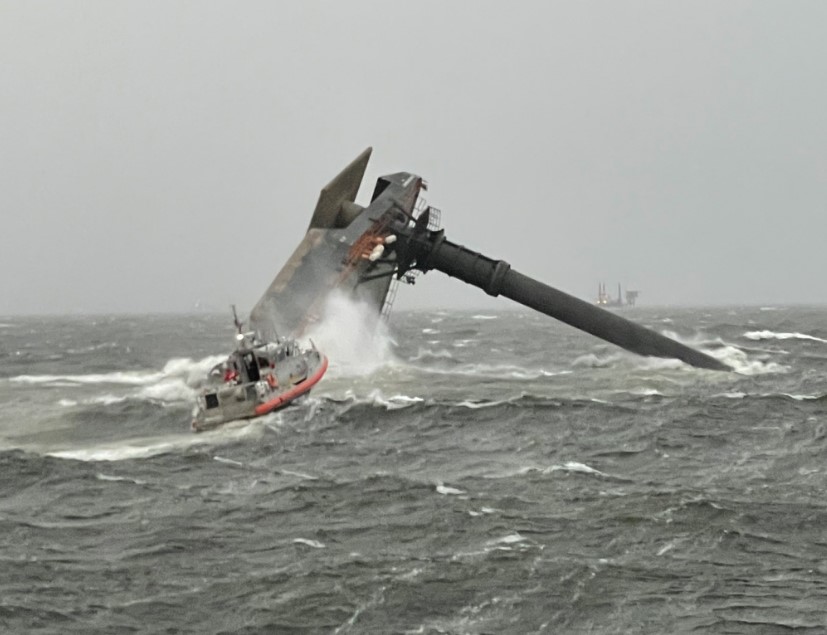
[[604, 299], [365, 251]]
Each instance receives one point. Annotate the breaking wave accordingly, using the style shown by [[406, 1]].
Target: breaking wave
[[443, 362], [772, 395], [185, 369], [771, 335], [743, 365], [353, 337], [129, 378], [143, 448]]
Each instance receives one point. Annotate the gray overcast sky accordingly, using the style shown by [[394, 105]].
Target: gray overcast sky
[[676, 147]]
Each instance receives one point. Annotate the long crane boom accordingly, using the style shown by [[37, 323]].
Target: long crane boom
[[426, 250]]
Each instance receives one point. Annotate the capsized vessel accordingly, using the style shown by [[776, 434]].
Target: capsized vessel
[[256, 378], [361, 251]]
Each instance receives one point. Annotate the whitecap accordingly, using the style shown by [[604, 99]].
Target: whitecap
[[146, 448], [732, 395], [310, 543], [661, 363], [510, 539], [574, 466], [741, 364], [394, 402], [184, 369], [168, 390], [307, 477], [771, 335], [227, 461], [134, 378], [484, 317], [448, 491], [591, 360], [105, 400], [115, 479], [646, 392], [427, 353], [475, 405], [119, 453], [504, 371], [667, 547]]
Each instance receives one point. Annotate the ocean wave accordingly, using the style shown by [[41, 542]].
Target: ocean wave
[[301, 475], [510, 539], [643, 392], [493, 371], [790, 396], [430, 355], [446, 490], [104, 400], [353, 339], [719, 349], [770, 395], [804, 397], [611, 360], [733, 356], [168, 391], [130, 378], [736, 394], [376, 398], [117, 453], [772, 335], [154, 446], [186, 369], [91, 349], [226, 461], [118, 479], [741, 364], [472, 404], [483, 511], [574, 466]]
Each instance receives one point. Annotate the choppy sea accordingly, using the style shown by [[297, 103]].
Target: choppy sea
[[465, 472]]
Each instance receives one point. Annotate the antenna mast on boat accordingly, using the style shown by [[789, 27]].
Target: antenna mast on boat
[[238, 323]]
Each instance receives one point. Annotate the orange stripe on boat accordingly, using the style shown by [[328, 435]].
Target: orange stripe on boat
[[295, 391]]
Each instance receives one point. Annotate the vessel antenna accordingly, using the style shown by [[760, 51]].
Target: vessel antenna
[[238, 324]]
